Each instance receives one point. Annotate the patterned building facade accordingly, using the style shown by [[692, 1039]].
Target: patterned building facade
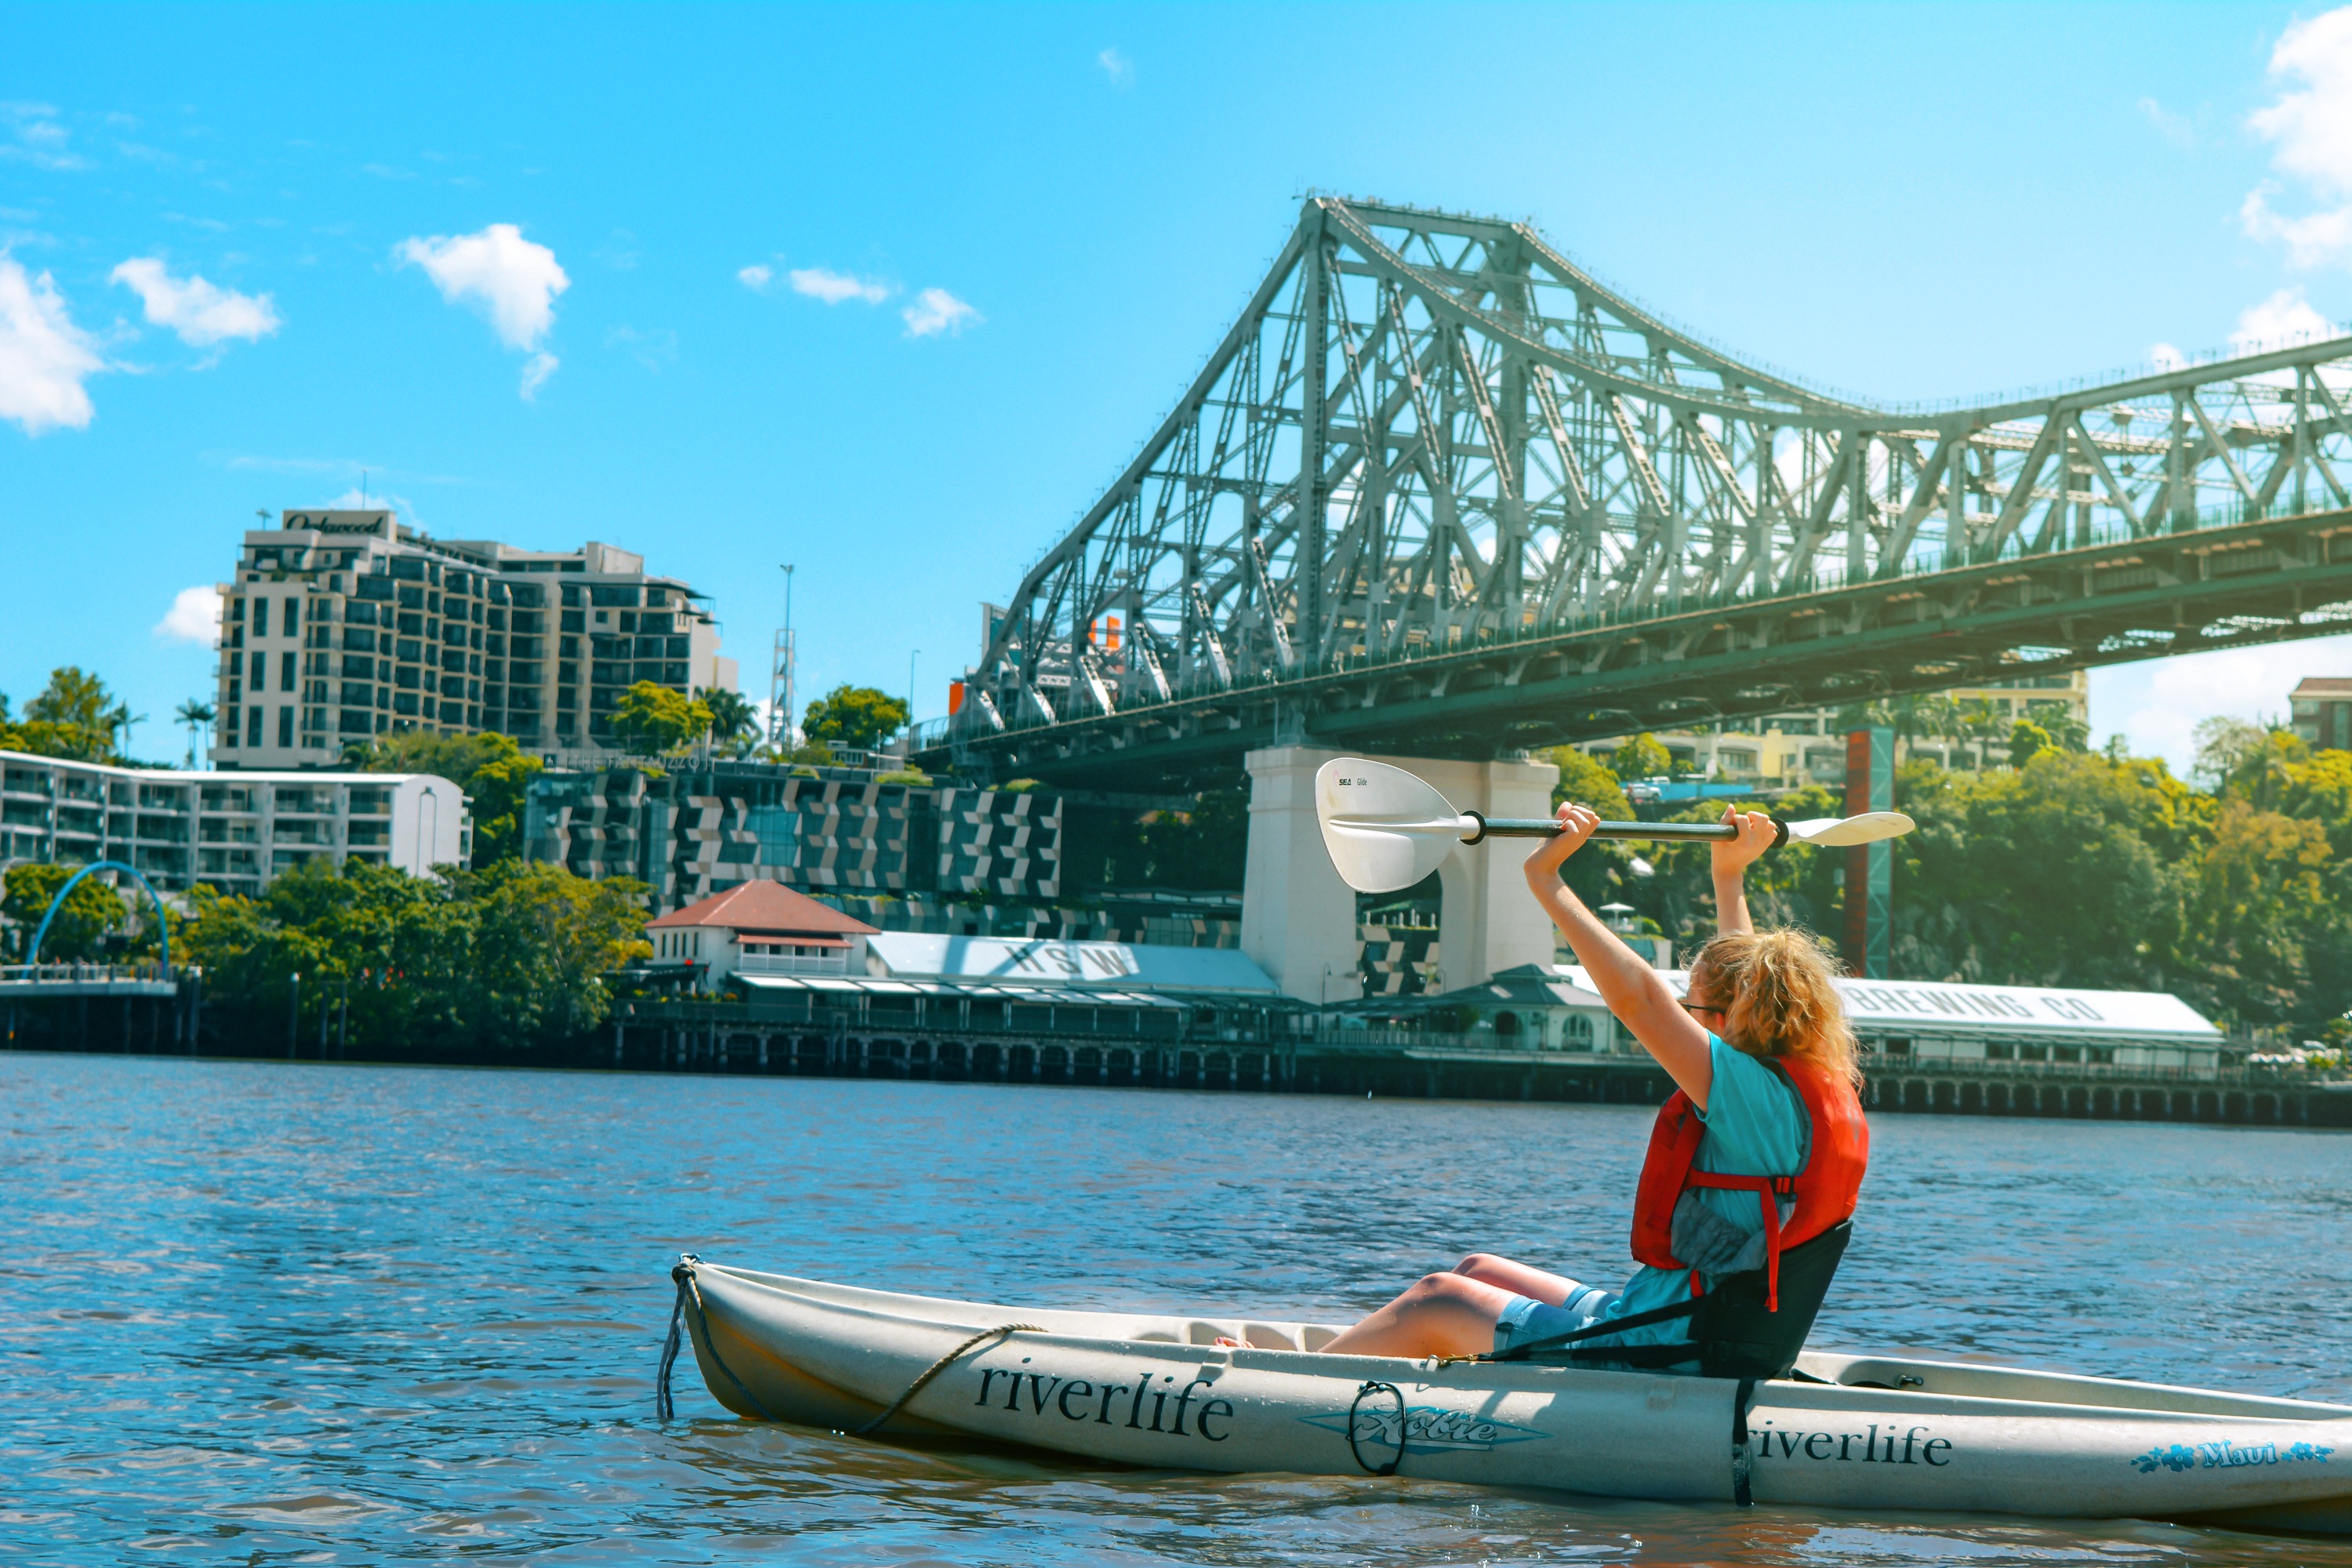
[[703, 828]]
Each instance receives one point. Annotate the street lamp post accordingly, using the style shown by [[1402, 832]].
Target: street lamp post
[[293, 1011], [911, 657]]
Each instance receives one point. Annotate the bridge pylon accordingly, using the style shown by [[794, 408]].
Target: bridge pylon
[[1299, 919]]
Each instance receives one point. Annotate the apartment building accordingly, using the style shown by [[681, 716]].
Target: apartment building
[[2321, 707], [1786, 751], [237, 831], [341, 626]]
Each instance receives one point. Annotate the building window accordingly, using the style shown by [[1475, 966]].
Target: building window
[[253, 722], [260, 617], [293, 617], [260, 669], [285, 671], [286, 715]]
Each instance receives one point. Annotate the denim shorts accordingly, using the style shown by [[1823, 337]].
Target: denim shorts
[[1526, 1320]]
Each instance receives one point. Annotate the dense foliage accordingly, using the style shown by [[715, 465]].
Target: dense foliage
[[75, 716], [2070, 867], [657, 719], [1201, 848], [487, 962], [90, 913], [857, 717]]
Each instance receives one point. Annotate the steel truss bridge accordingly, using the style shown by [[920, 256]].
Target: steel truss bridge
[[1439, 493]]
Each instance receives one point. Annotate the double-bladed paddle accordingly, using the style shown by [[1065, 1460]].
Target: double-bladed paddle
[[1388, 829]]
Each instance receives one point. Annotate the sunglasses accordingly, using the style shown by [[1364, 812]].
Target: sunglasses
[[1690, 1007]]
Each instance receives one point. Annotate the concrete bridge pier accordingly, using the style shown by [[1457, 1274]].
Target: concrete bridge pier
[[1299, 919]]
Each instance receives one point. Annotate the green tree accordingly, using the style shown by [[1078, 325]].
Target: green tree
[[75, 716], [90, 912], [1641, 757], [2027, 740], [857, 717], [1587, 781], [490, 963], [657, 718]]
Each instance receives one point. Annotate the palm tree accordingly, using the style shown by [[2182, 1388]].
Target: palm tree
[[121, 721], [733, 718], [197, 715]]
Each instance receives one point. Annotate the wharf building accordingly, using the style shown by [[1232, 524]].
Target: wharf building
[[340, 625], [913, 1006], [236, 830]]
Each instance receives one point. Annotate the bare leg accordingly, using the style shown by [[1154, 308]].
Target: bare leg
[[1520, 1279], [1439, 1314]]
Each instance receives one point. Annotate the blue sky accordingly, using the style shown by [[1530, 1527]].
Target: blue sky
[[1023, 229]]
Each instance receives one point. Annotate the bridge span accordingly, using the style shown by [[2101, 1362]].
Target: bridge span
[[1440, 492]]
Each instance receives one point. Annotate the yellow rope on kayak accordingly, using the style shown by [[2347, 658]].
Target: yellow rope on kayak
[[941, 1365]]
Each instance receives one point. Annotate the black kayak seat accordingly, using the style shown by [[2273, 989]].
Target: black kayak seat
[[1733, 1334]]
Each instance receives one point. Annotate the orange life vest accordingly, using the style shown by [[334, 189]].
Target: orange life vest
[[1825, 1191]]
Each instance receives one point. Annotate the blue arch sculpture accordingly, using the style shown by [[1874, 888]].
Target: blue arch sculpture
[[162, 920]]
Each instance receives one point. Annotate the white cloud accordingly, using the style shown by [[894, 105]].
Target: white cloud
[[194, 616], [2164, 356], [833, 288], [36, 138], [2312, 125], [2177, 129], [935, 310], [1117, 67], [2286, 317], [201, 313], [2155, 704], [754, 277], [2310, 129], [44, 357], [514, 280]]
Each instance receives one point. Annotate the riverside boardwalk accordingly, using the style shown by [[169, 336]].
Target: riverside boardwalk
[[1266, 1047]]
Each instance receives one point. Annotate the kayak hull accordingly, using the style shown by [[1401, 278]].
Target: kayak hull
[[1875, 1433]]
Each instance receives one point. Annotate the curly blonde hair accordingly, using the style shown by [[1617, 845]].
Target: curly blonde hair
[[1780, 998]]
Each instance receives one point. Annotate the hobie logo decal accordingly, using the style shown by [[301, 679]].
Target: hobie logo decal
[[2226, 1455], [1426, 1428]]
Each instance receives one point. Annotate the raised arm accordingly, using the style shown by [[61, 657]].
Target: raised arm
[[1731, 860], [1634, 991]]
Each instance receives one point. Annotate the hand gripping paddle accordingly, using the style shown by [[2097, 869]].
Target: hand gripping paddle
[[1387, 829]]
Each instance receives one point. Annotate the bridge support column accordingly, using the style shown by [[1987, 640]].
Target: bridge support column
[[1299, 919]]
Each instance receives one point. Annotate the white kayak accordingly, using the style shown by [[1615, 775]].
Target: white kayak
[[1849, 1432]]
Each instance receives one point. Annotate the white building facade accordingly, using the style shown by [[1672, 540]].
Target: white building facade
[[341, 626], [236, 830]]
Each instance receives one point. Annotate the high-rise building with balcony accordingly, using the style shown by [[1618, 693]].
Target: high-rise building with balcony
[[342, 625]]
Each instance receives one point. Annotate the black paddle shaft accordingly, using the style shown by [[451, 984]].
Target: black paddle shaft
[[1656, 832]]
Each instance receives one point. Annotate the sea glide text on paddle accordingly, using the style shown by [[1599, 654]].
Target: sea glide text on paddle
[[1106, 1404]]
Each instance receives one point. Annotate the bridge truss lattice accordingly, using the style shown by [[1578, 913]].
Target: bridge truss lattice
[[1439, 489]]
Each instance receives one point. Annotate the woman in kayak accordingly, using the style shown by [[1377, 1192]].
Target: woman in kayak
[[1761, 1051]]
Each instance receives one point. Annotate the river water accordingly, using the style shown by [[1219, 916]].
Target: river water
[[323, 1313]]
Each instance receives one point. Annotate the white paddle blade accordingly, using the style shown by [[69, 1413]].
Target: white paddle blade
[[1385, 828], [1838, 832]]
